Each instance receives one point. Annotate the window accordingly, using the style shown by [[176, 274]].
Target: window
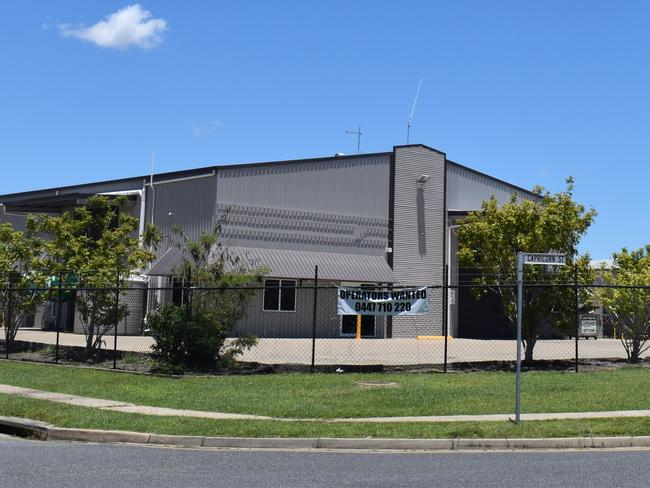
[[280, 295]]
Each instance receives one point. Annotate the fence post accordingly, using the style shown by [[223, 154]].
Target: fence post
[[313, 325], [577, 309], [9, 319], [58, 320], [117, 310], [445, 312], [145, 305]]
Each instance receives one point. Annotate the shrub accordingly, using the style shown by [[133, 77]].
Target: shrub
[[195, 339]]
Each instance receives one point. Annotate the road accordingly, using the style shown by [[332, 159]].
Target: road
[[27, 464]]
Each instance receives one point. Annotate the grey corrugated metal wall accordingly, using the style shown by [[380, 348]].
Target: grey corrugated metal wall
[[189, 203], [467, 190], [17, 221], [419, 232], [298, 324], [335, 205]]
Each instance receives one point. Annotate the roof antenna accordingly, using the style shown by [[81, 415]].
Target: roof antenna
[[358, 134], [408, 127]]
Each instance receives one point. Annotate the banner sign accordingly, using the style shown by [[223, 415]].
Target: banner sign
[[406, 301]]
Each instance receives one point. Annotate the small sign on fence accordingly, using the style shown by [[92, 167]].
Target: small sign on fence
[[406, 301], [588, 325]]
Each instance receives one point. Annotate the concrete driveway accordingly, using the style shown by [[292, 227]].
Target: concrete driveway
[[389, 352]]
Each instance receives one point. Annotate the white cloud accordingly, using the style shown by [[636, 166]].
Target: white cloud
[[130, 26], [207, 129]]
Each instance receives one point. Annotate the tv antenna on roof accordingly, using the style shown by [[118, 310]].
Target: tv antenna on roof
[[358, 134], [410, 122]]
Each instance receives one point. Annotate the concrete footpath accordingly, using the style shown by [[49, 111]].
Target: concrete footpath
[[44, 431], [118, 406]]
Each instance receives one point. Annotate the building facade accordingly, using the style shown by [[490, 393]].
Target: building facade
[[381, 219]]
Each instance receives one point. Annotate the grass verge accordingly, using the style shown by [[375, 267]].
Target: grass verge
[[88, 418], [302, 395]]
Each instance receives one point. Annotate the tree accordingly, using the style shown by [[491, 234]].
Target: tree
[[214, 296], [98, 244], [490, 238], [629, 307], [21, 274]]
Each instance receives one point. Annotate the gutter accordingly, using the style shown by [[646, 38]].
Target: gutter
[[47, 432]]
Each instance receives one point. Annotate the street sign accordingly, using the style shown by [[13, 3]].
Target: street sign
[[548, 259], [542, 258]]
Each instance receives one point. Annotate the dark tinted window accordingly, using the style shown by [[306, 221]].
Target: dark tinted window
[[177, 292], [288, 296], [271, 294]]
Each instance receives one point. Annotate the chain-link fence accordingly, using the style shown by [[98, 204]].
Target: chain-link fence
[[297, 326], [565, 325]]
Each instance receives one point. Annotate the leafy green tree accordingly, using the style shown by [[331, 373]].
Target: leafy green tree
[[490, 239], [629, 307], [98, 243], [214, 297], [21, 272]]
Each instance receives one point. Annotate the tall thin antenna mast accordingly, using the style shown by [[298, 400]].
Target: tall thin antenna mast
[[358, 134], [153, 190], [408, 127]]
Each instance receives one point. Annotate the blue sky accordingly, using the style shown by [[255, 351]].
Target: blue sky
[[530, 92]]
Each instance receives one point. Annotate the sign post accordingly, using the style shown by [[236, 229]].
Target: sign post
[[520, 308], [527, 258], [358, 336]]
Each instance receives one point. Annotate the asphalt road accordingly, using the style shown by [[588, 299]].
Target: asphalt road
[[27, 464]]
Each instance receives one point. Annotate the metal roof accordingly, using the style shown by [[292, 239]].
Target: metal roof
[[167, 264], [286, 263], [159, 177], [162, 177]]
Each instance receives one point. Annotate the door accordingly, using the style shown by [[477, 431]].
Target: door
[[349, 325], [349, 322]]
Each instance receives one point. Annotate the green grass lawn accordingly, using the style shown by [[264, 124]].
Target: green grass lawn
[[81, 417], [330, 395]]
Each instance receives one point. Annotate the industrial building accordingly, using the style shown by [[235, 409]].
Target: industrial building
[[377, 219]]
